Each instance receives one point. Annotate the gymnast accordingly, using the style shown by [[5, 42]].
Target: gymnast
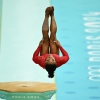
[[50, 60]]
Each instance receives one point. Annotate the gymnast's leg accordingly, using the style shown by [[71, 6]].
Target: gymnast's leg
[[53, 28], [45, 30]]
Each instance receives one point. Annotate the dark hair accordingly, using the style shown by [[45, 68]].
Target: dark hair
[[50, 68]]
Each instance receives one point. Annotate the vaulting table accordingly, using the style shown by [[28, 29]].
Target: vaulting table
[[27, 90]]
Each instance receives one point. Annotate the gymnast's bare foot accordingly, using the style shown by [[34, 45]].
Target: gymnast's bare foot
[[52, 12], [48, 11]]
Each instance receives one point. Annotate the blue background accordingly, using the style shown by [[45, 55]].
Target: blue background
[[72, 79]]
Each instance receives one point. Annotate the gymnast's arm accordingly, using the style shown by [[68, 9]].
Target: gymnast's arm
[[65, 56], [35, 57]]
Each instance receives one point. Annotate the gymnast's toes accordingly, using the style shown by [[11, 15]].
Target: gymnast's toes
[[48, 10]]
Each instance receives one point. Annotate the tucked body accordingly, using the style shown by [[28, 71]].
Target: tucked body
[[47, 53]]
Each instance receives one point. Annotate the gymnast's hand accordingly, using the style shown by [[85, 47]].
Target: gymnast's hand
[[41, 42], [57, 43]]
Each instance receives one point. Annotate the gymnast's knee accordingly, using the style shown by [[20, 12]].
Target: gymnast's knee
[[53, 37], [46, 39]]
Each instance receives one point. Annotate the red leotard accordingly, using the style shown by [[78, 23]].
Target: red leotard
[[41, 59]]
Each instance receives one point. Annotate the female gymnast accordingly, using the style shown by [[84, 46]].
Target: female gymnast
[[50, 60]]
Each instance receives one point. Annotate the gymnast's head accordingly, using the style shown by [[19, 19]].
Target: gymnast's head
[[50, 66]]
